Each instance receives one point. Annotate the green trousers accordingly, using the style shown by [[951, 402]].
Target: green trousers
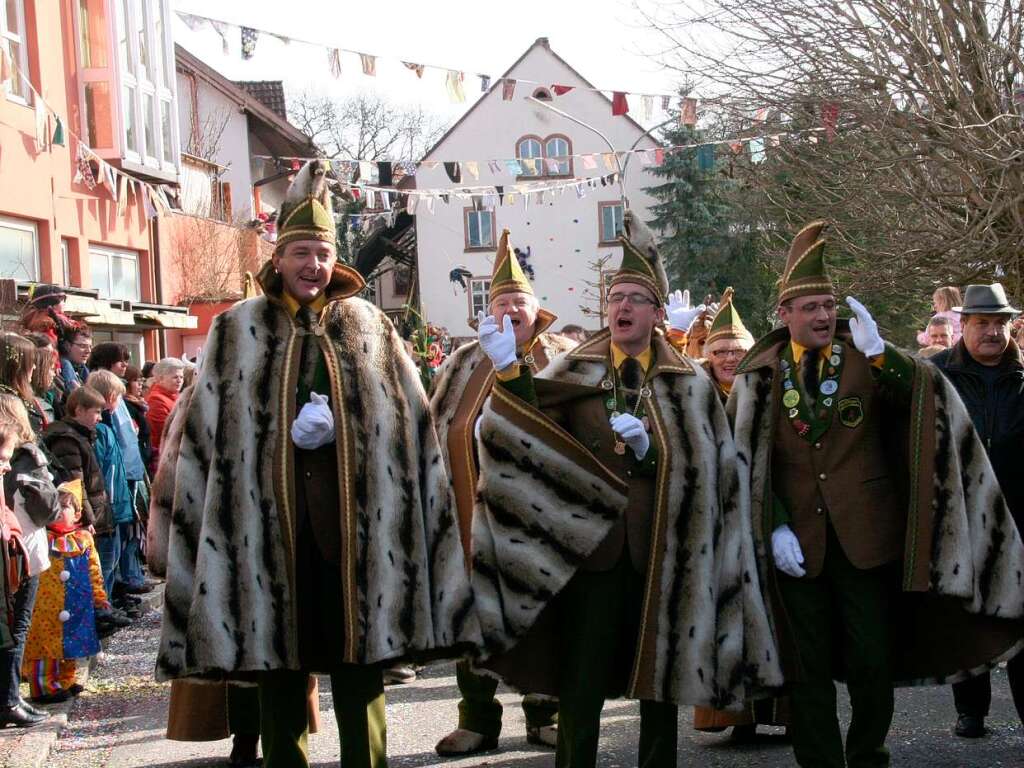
[[600, 617], [480, 712], [358, 694], [844, 609]]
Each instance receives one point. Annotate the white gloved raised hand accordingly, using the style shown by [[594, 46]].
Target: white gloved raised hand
[[499, 345], [314, 426], [679, 312], [631, 430], [865, 330], [787, 553]]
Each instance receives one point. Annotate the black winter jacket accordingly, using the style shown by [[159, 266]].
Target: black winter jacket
[[30, 477], [997, 411], [72, 444]]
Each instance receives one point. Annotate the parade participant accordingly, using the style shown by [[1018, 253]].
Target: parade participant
[[611, 554], [859, 460], [727, 343], [462, 385], [987, 370], [312, 528]]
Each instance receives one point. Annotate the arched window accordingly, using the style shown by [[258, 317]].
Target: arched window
[[529, 148], [542, 94], [551, 156], [557, 148]]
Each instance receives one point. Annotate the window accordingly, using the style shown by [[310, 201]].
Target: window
[[148, 127], [115, 274], [135, 342], [479, 295], [12, 37], [529, 148], [548, 157], [19, 249], [479, 229], [65, 261], [610, 221], [542, 94]]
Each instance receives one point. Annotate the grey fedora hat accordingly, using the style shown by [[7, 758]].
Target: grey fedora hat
[[986, 300]]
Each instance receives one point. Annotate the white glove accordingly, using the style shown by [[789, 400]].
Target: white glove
[[631, 430], [314, 426], [680, 314], [476, 427], [865, 330], [786, 550], [499, 345]]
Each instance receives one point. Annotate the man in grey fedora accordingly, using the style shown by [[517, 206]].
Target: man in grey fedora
[[987, 369]]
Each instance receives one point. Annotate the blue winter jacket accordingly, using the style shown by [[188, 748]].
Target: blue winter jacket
[[127, 438], [111, 460]]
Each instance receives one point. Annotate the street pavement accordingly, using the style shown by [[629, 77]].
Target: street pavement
[[119, 723]]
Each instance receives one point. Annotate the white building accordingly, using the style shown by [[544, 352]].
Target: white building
[[566, 233]]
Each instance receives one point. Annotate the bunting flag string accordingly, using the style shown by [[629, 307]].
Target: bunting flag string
[[249, 35]]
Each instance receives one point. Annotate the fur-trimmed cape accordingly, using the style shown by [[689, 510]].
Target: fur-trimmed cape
[[230, 603], [960, 608], [546, 502], [457, 397]]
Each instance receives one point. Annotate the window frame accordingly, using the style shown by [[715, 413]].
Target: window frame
[[474, 290], [110, 252], [30, 226], [18, 36], [467, 246], [600, 221], [542, 142]]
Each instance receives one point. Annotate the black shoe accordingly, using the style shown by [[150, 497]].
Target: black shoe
[[969, 727], [76, 689], [52, 698], [139, 590], [123, 600], [19, 717], [32, 710], [743, 734]]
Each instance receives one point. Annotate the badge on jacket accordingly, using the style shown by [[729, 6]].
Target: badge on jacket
[[851, 412]]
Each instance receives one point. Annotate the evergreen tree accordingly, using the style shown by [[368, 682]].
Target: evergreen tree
[[709, 230]]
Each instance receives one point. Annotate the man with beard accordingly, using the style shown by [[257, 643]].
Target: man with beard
[[312, 529], [611, 552], [886, 570], [461, 386]]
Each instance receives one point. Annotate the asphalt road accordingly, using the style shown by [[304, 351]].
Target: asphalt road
[[119, 723]]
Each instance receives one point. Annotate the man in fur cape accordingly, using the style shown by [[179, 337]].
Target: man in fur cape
[[611, 555], [461, 386], [312, 528], [885, 545]]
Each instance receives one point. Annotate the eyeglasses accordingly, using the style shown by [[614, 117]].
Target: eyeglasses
[[636, 299], [726, 354], [82, 344], [812, 308]]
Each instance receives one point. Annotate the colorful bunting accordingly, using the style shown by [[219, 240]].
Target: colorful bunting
[[454, 82], [369, 64], [334, 62], [485, 83], [417, 68], [249, 37], [619, 104], [508, 88], [688, 112], [648, 106], [454, 172], [473, 168], [561, 90]]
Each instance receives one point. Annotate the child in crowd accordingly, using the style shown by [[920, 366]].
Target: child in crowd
[[71, 440], [108, 453], [70, 594]]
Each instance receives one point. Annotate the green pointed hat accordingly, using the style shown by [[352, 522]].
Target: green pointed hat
[[306, 212], [805, 272], [641, 262], [508, 276], [727, 323]]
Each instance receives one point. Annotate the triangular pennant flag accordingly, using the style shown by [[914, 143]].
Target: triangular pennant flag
[[514, 167], [454, 82], [552, 166], [473, 168], [195, 23], [648, 106], [561, 90], [609, 161], [429, 164], [122, 193], [221, 29], [494, 166], [829, 118], [445, 197], [410, 204], [501, 193], [454, 172], [58, 133], [619, 104], [659, 156], [42, 135], [757, 150], [147, 204], [430, 204], [365, 171], [369, 64], [83, 172], [385, 174], [249, 38], [665, 101], [334, 62], [530, 164], [688, 112], [589, 162], [580, 191], [508, 88], [417, 68], [485, 83]]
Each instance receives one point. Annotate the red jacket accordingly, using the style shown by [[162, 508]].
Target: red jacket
[[161, 402]]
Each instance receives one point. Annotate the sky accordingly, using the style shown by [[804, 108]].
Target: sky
[[606, 41]]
